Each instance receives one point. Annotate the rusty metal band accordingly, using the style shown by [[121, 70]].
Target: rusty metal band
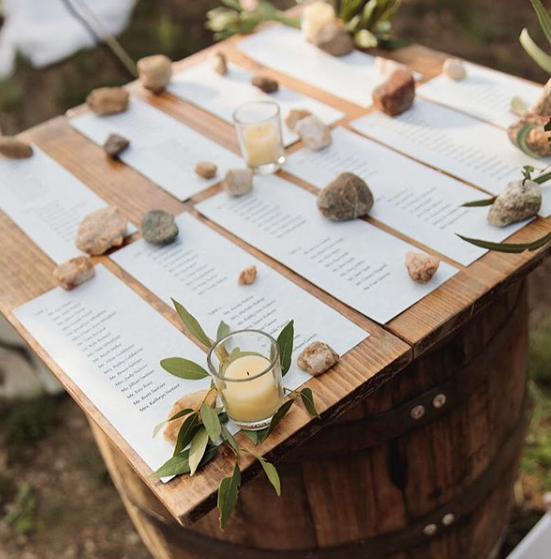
[[432, 404], [460, 509]]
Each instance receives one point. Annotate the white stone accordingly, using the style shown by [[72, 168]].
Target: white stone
[[313, 132]]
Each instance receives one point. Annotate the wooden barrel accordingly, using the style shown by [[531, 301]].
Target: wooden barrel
[[422, 469]]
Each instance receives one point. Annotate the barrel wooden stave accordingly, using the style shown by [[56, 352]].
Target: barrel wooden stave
[[340, 487]]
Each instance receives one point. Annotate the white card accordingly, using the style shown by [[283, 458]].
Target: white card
[[109, 341], [46, 202], [352, 77], [354, 261], [473, 151], [409, 196], [200, 270], [485, 93], [162, 149], [221, 95]]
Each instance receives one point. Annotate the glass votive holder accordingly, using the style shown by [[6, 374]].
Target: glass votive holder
[[246, 370], [258, 125]]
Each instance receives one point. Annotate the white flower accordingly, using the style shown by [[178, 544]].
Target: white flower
[[249, 5]]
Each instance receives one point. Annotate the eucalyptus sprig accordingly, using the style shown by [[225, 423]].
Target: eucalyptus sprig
[[204, 431]]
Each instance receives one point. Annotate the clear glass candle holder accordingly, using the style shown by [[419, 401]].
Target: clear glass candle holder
[[258, 125], [246, 370]]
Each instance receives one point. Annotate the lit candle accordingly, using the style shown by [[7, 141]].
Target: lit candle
[[315, 16], [254, 400], [262, 144]]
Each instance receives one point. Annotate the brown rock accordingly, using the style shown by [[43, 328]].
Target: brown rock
[[421, 267], [101, 230], [294, 116], [317, 358], [265, 84], [192, 401], [333, 39], [313, 132], [537, 139], [542, 107], [108, 100], [397, 94], [155, 71], [206, 169], [344, 198], [74, 272], [14, 148], [238, 181], [219, 63], [115, 144], [247, 276]]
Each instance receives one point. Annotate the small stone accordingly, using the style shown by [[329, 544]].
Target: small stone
[[454, 69], [155, 71], [333, 39], [265, 84], [397, 94], [101, 230], [192, 401], [158, 227], [313, 132], [247, 276], [421, 267], [238, 181], [294, 116], [219, 63], [206, 169], [519, 200], [115, 144], [387, 67], [74, 272], [537, 139], [14, 148], [316, 358], [108, 100], [542, 107], [344, 198]]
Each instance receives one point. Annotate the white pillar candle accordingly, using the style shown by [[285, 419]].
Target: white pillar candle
[[315, 16], [262, 144], [255, 400]]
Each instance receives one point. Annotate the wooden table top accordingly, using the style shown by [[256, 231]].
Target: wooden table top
[[27, 273]]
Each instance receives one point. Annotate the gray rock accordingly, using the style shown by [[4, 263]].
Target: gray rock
[[518, 201], [158, 227], [238, 181], [313, 132], [115, 144], [333, 39], [346, 197]]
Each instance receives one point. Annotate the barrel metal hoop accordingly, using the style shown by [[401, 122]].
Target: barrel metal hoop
[[460, 508]]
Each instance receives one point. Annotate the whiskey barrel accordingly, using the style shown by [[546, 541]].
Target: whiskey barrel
[[422, 469]]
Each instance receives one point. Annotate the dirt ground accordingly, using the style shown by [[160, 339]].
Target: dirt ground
[[56, 499]]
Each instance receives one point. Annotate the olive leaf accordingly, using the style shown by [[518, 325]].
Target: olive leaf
[[160, 425], [271, 474], [192, 324], [256, 437], [513, 248], [307, 397], [229, 438], [479, 203], [197, 449], [278, 416], [183, 368], [222, 331], [543, 17], [186, 433], [285, 344], [538, 55], [211, 422], [522, 136], [227, 495], [179, 464]]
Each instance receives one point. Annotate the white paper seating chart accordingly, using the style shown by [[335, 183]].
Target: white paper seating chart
[[409, 196], [161, 148], [200, 270], [485, 93], [460, 145], [353, 261], [109, 341], [351, 77], [221, 95], [46, 202]]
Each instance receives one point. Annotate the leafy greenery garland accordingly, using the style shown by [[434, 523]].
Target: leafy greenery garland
[[204, 428]]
